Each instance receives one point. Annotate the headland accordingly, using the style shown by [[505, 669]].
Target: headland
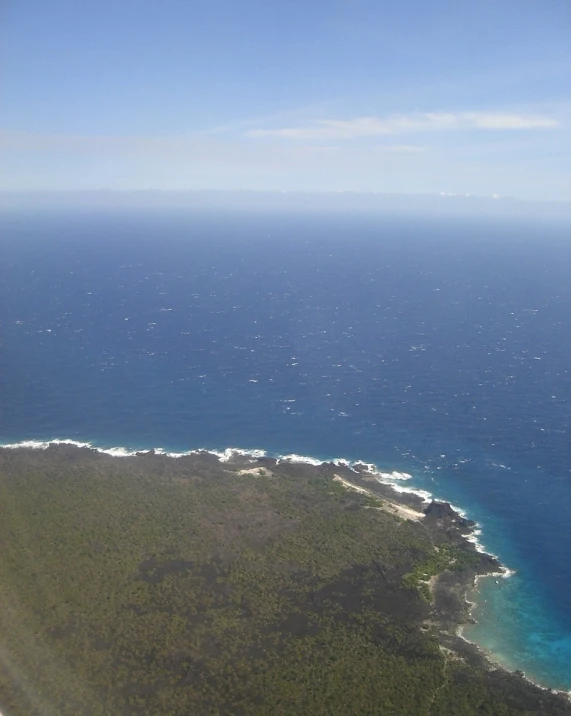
[[237, 583]]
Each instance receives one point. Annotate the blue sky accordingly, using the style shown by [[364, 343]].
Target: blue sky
[[358, 95]]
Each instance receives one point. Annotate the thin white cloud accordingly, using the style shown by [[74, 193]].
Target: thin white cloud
[[400, 124], [182, 148]]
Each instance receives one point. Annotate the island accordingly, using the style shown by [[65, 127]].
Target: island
[[158, 585]]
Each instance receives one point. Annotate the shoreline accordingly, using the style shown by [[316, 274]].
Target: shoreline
[[451, 609], [490, 657]]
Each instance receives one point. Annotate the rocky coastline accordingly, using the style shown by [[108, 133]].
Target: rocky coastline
[[254, 574]]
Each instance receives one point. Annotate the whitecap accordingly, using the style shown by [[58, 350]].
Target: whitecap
[[299, 459], [175, 455], [342, 462], [44, 444], [473, 537], [423, 494], [394, 475], [507, 572], [368, 467], [232, 452], [30, 444], [117, 451]]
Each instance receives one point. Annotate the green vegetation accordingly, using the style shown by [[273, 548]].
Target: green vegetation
[[149, 585], [444, 557]]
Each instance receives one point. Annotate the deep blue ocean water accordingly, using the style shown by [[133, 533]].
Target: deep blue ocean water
[[436, 347]]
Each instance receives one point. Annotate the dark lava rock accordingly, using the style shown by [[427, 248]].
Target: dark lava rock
[[443, 511], [440, 511]]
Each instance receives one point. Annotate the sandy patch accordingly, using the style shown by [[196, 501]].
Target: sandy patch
[[394, 508], [351, 486], [257, 471], [406, 513]]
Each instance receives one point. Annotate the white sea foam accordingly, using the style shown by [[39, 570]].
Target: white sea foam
[[473, 537], [122, 451], [118, 452], [342, 462], [162, 451], [507, 572], [299, 459], [394, 480], [423, 494], [44, 444], [364, 466], [459, 510], [232, 452], [30, 444], [115, 451], [394, 475]]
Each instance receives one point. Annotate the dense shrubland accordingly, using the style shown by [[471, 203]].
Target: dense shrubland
[[173, 587]]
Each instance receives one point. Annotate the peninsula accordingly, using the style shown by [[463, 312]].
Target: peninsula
[[150, 584]]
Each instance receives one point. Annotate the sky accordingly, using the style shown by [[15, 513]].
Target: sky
[[306, 95]]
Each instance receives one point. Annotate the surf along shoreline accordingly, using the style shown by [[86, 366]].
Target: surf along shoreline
[[447, 590]]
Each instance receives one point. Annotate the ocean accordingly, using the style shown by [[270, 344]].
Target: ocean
[[436, 347]]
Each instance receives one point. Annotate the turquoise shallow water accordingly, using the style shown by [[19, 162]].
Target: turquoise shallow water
[[515, 632], [435, 348]]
